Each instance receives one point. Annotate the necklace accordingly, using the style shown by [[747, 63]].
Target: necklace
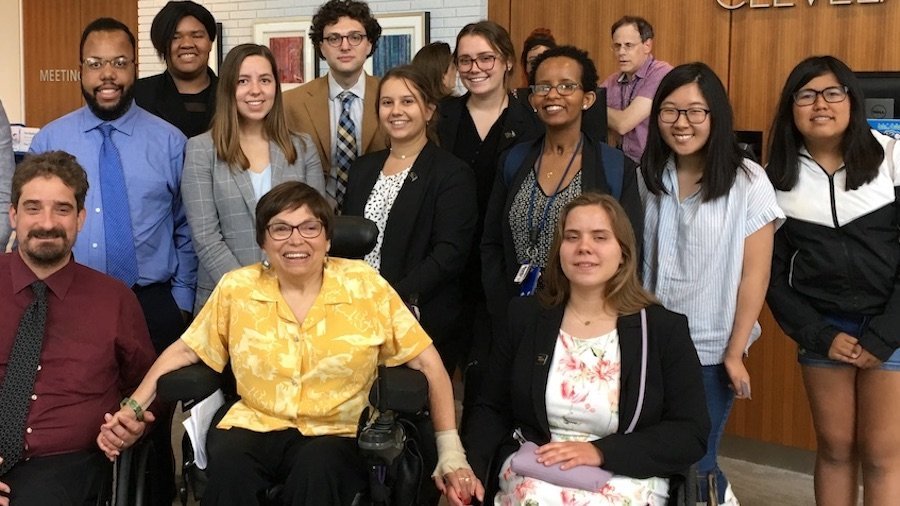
[[404, 157], [581, 320]]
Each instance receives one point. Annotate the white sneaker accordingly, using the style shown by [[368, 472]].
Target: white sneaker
[[730, 499]]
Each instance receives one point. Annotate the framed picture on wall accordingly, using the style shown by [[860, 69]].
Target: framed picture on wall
[[216, 55], [402, 35], [289, 41]]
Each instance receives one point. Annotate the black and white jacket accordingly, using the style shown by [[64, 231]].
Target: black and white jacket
[[839, 252]]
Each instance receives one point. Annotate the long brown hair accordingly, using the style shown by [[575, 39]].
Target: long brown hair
[[498, 38], [225, 129], [422, 89], [623, 291]]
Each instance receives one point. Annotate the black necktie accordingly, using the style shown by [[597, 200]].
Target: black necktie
[[18, 385]]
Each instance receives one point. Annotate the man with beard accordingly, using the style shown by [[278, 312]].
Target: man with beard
[[92, 349], [135, 228], [183, 33]]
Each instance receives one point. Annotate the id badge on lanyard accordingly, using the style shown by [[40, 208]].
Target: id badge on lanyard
[[527, 278]]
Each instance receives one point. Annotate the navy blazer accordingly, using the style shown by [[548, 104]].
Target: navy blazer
[[429, 231], [671, 433]]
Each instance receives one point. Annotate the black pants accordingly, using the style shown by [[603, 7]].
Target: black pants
[[166, 325], [315, 470], [71, 479]]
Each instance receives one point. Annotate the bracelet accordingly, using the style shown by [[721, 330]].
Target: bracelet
[[135, 406]]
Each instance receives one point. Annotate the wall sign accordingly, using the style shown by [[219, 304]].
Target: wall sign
[[762, 4], [59, 75]]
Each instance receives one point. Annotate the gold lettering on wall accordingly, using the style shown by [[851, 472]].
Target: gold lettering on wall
[[59, 75]]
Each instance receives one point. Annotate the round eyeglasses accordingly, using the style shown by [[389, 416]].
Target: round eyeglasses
[[564, 89], [694, 115], [353, 38], [283, 231], [832, 95], [484, 62]]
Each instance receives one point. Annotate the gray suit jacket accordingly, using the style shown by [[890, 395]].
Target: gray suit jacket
[[221, 206], [7, 167]]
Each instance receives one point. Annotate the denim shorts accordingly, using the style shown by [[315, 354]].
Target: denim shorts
[[855, 326]]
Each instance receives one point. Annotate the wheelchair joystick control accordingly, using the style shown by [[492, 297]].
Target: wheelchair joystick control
[[382, 439]]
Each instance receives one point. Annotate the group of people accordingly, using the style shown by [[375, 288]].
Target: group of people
[[599, 289]]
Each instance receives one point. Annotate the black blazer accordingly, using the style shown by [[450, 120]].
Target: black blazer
[[671, 433], [159, 96], [498, 255], [520, 122], [429, 231]]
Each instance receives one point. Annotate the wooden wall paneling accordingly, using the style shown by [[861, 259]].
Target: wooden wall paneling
[[499, 12], [51, 32], [50, 50]]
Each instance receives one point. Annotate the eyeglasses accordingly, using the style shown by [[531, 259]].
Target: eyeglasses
[[353, 38], [564, 89], [484, 62], [94, 64], [694, 115], [627, 46], [283, 231], [832, 95]]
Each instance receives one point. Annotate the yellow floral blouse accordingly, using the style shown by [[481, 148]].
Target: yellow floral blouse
[[313, 375]]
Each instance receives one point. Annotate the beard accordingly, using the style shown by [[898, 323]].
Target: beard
[[47, 254], [109, 113]]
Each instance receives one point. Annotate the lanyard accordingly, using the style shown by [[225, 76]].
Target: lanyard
[[534, 232], [634, 82]]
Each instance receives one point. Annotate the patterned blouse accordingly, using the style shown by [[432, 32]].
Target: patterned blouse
[[519, 217], [378, 208], [582, 405], [313, 375]]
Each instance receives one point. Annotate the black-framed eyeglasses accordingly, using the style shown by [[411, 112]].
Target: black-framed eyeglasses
[[353, 38], [484, 62], [694, 115], [283, 231], [832, 95], [564, 89], [95, 64]]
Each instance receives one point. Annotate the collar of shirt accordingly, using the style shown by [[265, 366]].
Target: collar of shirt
[[22, 276], [124, 123], [641, 72], [331, 292], [358, 89]]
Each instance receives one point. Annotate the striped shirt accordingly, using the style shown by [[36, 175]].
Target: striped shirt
[[694, 252]]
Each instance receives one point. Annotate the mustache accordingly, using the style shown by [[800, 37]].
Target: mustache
[[52, 233]]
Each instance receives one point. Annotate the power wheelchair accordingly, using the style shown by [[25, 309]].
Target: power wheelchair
[[396, 439]]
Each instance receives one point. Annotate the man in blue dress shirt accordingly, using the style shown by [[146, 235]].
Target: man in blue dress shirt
[[135, 229]]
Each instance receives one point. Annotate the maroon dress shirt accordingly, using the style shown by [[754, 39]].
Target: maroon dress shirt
[[96, 348]]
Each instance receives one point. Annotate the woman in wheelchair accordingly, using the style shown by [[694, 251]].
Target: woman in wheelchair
[[568, 377], [304, 335]]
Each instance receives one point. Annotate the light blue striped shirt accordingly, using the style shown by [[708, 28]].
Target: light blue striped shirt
[[694, 251]]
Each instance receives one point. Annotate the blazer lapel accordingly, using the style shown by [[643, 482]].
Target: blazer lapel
[[245, 187], [370, 124], [545, 335], [278, 163], [630, 347], [317, 104], [450, 110]]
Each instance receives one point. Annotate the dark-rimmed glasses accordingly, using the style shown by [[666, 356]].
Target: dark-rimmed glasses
[[564, 89], [283, 231], [484, 62], [94, 64], [832, 95], [694, 115], [353, 38]]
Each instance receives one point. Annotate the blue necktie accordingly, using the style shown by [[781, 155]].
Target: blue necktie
[[121, 261], [346, 147]]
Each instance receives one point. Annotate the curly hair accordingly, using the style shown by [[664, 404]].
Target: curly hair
[[589, 75], [333, 10]]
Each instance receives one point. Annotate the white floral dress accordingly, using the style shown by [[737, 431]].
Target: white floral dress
[[582, 405]]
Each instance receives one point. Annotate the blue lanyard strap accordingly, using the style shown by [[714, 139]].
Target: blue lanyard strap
[[534, 232]]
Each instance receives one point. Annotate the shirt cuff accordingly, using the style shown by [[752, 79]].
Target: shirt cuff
[[184, 297]]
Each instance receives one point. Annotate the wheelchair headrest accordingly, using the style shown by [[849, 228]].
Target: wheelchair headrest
[[352, 237]]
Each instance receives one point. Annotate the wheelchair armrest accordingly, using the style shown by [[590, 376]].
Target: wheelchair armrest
[[399, 389], [192, 383]]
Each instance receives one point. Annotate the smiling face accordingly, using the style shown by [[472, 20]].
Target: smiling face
[[684, 138], [477, 80], [46, 221], [189, 49], [108, 91], [296, 258], [557, 110], [822, 121], [630, 51], [402, 111], [590, 254], [345, 61], [255, 92]]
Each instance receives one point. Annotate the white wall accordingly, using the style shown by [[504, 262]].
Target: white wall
[[237, 18], [11, 60]]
